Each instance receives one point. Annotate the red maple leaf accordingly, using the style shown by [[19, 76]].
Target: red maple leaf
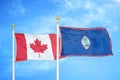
[[38, 47]]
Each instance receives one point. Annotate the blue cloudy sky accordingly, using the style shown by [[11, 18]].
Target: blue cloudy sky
[[38, 16]]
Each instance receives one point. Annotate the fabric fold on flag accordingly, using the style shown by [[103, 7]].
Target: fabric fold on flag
[[85, 42]]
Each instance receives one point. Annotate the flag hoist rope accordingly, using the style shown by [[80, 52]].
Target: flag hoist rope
[[57, 64], [13, 54]]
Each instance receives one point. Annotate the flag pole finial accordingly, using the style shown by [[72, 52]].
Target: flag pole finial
[[13, 25], [57, 18]]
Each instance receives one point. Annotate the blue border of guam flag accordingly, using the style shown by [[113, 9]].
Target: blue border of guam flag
[[85, 41]]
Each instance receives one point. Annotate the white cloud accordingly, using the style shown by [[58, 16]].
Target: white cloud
[[75, 8], [16, 7], [87, 13], [72, 4], [88, 5], [117, 0], [79, 13]]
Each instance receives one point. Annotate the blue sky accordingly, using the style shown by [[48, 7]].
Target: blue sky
[[38, 17]]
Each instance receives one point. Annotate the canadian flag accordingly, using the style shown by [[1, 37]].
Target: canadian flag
[[35, 47]]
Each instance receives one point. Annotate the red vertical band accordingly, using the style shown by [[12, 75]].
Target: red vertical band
[[53, 43], [21, 47], [54, 47]]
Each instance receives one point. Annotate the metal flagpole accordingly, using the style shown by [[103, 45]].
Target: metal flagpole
[[57, 65], [13, 54]]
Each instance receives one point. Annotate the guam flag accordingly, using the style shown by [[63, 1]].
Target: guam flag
[[85, 41]]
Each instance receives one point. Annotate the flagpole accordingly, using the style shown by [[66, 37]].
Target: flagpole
[[57, 65], [13, 54]]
